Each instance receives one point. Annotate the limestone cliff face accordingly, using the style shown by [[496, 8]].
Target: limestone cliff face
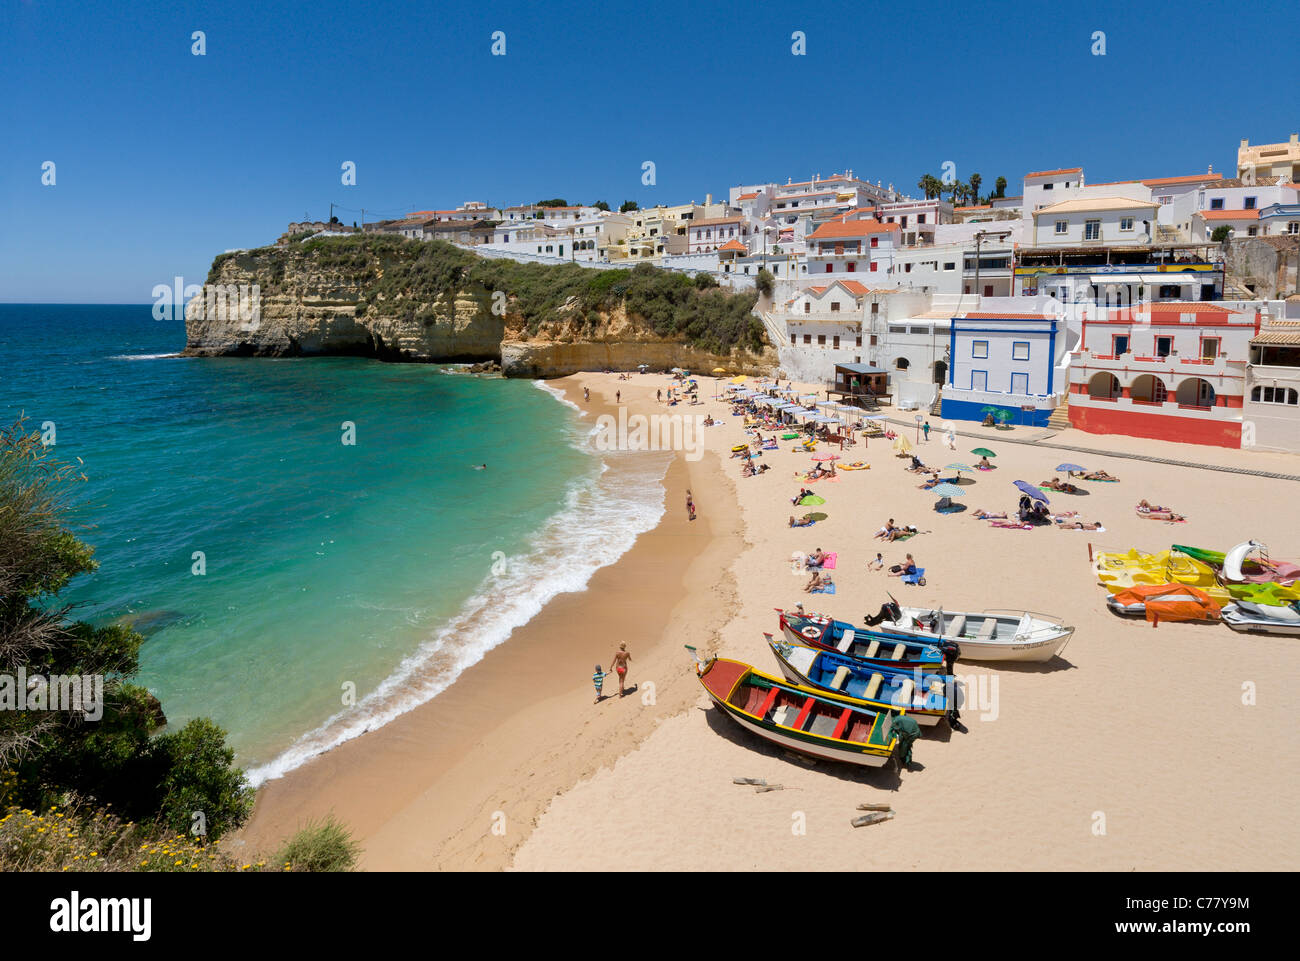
[[306, 308], [565, 346], [320, 301]]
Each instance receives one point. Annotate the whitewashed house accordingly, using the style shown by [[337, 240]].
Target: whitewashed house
[[1015, 362]]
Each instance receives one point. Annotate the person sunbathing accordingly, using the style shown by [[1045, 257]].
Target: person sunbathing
[[1078, 525], [764, 467], [983, 515], [934, 480], [1146, 507], [748, 469], [886, 531], [803, 492], [900, 532], [876, 563], [1098, 475], [816, 559], [805, 521], [818, 580], [1059, 485], [907, 567], [984, 464]]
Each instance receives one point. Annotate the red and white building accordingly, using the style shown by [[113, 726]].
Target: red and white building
[[1168, 371], [851, 247]]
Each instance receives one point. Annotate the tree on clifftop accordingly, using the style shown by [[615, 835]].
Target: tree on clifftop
[[628, 205]]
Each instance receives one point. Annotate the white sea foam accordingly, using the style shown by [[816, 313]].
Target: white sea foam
[[598, 524], [558, 395]]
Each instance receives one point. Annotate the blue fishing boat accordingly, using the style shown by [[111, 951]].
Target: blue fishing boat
[[881, 648], [925, 695]]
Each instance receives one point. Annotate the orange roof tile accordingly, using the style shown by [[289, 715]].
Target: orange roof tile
[[747, 196], [853, 287], [1053, 173], [985, 315], [850, 228], [734, 245], [1191, 179], [1228, 214], [975, 207]]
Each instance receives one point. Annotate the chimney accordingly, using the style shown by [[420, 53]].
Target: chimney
[[1295, 138], [1245, 143], [708, 200]]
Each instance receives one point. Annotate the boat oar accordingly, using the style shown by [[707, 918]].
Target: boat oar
[[874, 807], [749, 780]]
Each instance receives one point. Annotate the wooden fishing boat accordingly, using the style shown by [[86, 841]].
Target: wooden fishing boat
[[982, 635], [924, 695], [880, 648], [817, 723]]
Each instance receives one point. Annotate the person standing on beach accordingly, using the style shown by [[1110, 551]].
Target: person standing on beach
[[620, 659], [599, 680], [690, 506], [659, 395], [618, 397], [586, 394], [926, 428]]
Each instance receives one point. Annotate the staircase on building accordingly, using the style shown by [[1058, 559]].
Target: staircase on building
[[1060, 419]]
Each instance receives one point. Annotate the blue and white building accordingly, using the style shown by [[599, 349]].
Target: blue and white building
[[1015, 362]]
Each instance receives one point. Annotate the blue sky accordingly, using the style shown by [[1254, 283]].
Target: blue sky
[[165, 159]]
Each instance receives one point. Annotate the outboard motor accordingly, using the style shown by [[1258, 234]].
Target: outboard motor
[[951, 651], [889, 611]]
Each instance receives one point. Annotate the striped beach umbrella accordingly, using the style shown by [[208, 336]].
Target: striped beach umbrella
[[947, 490]]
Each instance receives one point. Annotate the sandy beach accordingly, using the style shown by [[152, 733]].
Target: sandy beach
[[1136, 750]]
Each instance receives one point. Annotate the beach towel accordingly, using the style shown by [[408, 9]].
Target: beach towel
[[1100, 480], [1011, 527], [829, 563], [828, 589]]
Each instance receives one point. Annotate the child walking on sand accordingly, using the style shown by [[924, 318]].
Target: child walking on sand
[[599, 680]]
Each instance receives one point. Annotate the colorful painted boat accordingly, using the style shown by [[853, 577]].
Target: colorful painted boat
[[879, 648], [924, 695], [817, 723], [994, 635]]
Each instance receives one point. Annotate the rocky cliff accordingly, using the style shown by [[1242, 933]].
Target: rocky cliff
[[395, 299]]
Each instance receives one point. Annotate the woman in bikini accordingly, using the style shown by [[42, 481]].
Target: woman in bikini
[[620, 659]]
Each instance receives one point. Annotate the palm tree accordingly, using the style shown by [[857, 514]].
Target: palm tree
[[975, 181], [927, 184], [1000, 187]]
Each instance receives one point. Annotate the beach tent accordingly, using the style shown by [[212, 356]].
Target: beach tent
[[1169, 602], [902, 445]]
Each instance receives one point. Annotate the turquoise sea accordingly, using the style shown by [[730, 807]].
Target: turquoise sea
[[386, 566]]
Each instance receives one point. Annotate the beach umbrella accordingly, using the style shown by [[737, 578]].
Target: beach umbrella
[[902, 444], [984, 452], [989, 409], [1070, 467], [820, 457], [719, 370], [1003, 415], [959, 468], [811, 499], [1032, 491], [819, 515], [739, 380], [947, 490]]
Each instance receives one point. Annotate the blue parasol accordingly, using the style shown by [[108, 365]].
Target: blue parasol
[[1070, 467], [1032, 491]]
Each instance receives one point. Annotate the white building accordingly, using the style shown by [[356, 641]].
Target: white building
[[1271, 410]]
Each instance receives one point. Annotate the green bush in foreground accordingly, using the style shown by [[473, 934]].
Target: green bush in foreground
[[80, 837], [319, 847]]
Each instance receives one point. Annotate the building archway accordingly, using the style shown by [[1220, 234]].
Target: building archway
[[940, 372], [1195, 392], [901, 363], [1104, 384], [1150, 389]]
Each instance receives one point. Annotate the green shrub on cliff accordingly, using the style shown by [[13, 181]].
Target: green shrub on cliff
[[402, 278]]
